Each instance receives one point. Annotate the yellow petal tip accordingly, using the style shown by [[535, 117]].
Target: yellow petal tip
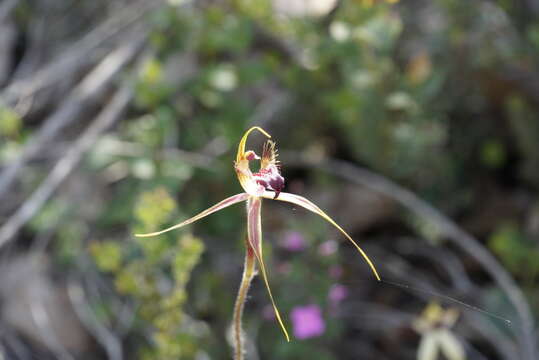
[[259, 129], [309, 205], [145, 235], [241, 146]]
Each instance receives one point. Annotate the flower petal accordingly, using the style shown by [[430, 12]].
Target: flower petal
[[269, 155], [303, 202], [254, 231], [221, 205], [450, 345], [428, 347], [241, 147], [241, 165]]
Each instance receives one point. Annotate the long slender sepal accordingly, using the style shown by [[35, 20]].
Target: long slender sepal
[[219, 206], [307, 204], [254, 232]]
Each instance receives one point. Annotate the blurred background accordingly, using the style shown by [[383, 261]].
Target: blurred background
[[414, 123]]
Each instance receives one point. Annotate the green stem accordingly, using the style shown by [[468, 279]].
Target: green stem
[[248, 275]]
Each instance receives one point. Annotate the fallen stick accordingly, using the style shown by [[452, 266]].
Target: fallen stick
[[92, 85], [65, 166]]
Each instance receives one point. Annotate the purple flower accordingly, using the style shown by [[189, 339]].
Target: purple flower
[[337, 293], [307, 321], [328, 248], [293, 241]]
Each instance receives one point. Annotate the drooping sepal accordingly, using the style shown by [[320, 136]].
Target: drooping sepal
[[254, 233], [309, 205]]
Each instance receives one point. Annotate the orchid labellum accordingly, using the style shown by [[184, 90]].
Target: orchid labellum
[[266, 183]]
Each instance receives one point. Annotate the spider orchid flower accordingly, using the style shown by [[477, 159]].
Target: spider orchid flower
[[267, 183]]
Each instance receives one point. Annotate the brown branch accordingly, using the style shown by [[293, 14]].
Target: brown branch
[[78, 53], [92, 85], [65, 166], [101, 333]]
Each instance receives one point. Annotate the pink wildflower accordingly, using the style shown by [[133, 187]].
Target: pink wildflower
[[337, 293], [293, 241], [307, 321], [328, 248]]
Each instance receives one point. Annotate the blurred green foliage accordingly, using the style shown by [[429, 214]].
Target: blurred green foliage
[[11, 131], [421, 92], [402, 111], [155, 273], [517, 251], [10, 123]]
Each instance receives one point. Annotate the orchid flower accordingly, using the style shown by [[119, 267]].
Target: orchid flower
[[434, 326], [267, 183]]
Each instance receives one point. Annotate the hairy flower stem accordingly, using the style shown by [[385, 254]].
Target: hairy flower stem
[[248, 275]]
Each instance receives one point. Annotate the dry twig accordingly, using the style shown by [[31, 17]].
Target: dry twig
[[90, 88], [77, 54], [63, 168]]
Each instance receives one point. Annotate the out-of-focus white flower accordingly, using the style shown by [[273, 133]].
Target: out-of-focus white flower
[[224, 78], [143, 169], [340, 31], [434, 326], [363, 79], [177, 2], [298, 8], [400, 100]]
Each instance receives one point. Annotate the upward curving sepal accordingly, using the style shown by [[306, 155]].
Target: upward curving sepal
[[241, 147], [241, 165]]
